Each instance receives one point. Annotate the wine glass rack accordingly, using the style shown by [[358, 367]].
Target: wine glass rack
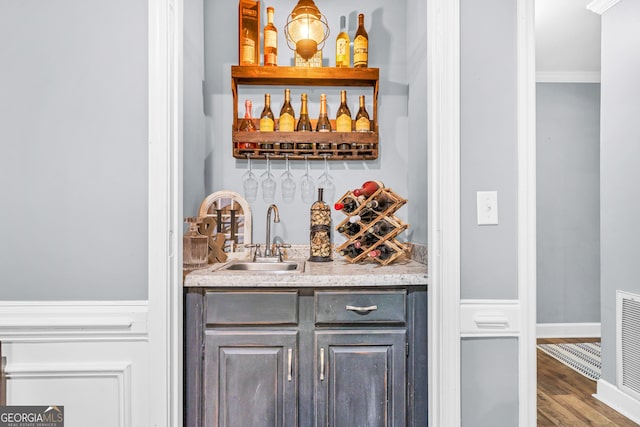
[[394, 227], [339, 145]]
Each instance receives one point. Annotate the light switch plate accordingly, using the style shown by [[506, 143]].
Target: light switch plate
[[487, 203]]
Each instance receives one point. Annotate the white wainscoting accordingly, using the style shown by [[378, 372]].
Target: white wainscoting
[[612, 396], [91, 357]]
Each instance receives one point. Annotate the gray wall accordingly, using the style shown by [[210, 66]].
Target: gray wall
[[619, 171], [73, 160], [568, 202], [488, 162], [402, 161]]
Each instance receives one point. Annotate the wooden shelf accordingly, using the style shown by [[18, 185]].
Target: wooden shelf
[[362, 145]]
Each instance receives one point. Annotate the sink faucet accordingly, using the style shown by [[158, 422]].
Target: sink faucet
[[276, 218]]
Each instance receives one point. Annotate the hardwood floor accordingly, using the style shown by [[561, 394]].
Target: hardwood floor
[[565, 397]]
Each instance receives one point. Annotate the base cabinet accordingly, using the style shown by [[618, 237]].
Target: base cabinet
[[305, 357]]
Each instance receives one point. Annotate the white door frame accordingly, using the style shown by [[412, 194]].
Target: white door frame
[[165, 211]]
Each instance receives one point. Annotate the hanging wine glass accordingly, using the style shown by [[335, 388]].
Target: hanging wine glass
[[307, 186], [288, 184], [268, 183], [250, 183], [325, 181]]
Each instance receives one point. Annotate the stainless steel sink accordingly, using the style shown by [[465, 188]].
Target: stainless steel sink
[[266, 267]]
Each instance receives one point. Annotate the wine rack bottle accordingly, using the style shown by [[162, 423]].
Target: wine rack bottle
[[363, 124], [365, 215], [361, 45], [368, 188], [381, 228], [350, 229], [287, 119], [270, 40], [323, 125], [267, 120], [246, 125], [347, 205], [351, 251], [378, 203], [343, 45], [382, 252], [304, 124]]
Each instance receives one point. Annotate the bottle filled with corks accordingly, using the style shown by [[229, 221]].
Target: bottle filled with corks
[[320, 236]]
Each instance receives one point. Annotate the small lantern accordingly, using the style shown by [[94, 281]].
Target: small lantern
[[306, 29]]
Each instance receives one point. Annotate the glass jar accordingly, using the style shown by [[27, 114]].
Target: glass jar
[[195, 246], [320, 231]]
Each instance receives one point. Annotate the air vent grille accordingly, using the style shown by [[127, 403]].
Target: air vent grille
[[628, 342]]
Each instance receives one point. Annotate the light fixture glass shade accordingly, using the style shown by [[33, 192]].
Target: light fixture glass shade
[[306, 29]]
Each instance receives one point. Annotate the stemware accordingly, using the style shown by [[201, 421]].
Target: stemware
[[268, 183], [325, 181], [307, 186], [250, 183], [288, 184]]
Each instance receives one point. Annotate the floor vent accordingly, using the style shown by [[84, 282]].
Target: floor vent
[[628, 342]]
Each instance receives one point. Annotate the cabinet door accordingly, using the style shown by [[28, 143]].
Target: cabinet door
[[360, 378], [250, 379]]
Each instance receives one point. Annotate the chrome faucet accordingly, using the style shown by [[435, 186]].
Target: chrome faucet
[[276, 218]]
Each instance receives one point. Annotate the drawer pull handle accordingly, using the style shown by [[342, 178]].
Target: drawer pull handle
[[361, 309], [290, 365], [322, 364]]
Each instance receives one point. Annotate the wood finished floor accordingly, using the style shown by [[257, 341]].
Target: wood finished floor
[[565, 397]]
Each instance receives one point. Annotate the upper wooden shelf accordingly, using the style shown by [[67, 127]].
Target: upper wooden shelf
[[302, 76]]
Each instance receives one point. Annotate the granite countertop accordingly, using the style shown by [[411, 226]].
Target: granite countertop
[[337, 273]]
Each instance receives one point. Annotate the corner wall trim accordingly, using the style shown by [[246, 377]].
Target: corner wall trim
[[568, 330], [612, 396]]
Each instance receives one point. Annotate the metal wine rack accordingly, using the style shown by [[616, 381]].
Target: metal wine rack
[[394, 202]]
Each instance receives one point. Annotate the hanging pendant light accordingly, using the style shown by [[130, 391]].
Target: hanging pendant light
[[306, 29]]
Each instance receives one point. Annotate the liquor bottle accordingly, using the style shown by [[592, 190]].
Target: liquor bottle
[[323, 125], [343, 116], [368, 188], [248, 48], [304, 124], [382, 252], [349, 229], [351, 251], [379, 203], [343, 45], [287, 119], [246, 125], [361, 45], [267, 121], [363, 124], [270, 40], [381, 228], [365, 215], [348, 205]]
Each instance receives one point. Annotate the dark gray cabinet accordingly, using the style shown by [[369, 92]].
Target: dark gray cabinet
[[305, 357]]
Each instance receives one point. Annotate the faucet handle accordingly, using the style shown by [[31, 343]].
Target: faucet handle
[[279, 251], [257, 251]]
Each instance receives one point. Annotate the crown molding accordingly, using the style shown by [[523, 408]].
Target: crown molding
[[601, 6]]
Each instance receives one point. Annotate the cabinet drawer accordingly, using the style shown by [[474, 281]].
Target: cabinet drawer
[[360, 307], [252, 308]]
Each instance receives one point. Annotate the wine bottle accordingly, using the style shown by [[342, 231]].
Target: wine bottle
[[248, 47], [267, 120], [380, 228], [343, 45], [343, 116], [379, 203], [246, 125], [304, 124], [361, 45], [365, 215], [349, 229], [368, 188], [382, 252], [363, 124], [348, 205], [351, 251], [270, 40], [365, 241], [287, 119], [323, 125]]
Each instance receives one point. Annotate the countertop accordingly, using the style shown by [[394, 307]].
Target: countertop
[[337, 273]]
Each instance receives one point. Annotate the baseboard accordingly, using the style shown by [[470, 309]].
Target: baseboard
[[568, 330], [612, 396]]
